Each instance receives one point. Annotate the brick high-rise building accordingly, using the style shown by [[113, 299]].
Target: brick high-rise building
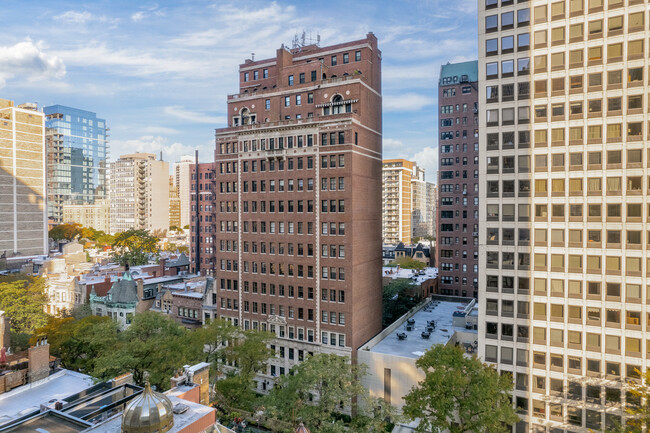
[[564, 169], [295, 221], [457, 241]]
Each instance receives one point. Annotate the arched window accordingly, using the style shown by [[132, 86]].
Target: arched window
[[337, 106], [245, 116]]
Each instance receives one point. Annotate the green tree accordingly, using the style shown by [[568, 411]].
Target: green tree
[[23, 301], [153, 343], [329, 377], [79, 342], [64, 232], [249, 351], [637, 408], [395, 301], [134, 247], [460, 394], [408, 263]]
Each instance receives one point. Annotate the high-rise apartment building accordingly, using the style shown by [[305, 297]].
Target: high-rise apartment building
[[293, 219], [23, 197], [432, 209], [181, 173], [174, 205], [77, 155], [420, 203], [403, 200], [458, 183], [96, 215], [563, 263], [139, 189]]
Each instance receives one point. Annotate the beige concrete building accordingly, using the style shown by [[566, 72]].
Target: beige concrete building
[[97, 215], [181, 175], [23, 209], [563, 234], [174, 205], [139, 191], [404, 201]]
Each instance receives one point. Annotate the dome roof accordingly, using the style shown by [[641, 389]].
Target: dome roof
[[148, 413], [302, 429]]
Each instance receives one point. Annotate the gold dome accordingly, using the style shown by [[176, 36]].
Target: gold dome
[[150, 412]]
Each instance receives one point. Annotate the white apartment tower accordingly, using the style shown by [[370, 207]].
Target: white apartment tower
[[563, 233], [139, 191]]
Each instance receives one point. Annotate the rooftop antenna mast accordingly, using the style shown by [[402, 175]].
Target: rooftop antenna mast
[[300, 41]]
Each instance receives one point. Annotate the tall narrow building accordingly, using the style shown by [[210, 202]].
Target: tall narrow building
[[294, 216], [563, 168], [77, 155], [23, 196], [139, 186], [458, 183], [181, 173]]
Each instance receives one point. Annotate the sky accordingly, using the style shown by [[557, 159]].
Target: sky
[[159, 73]]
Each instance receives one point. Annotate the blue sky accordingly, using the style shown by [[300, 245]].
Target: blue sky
[[159, 72]]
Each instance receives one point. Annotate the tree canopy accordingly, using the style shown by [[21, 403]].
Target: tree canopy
[[636, 407], [64, 232], [395, 301], [408, 263], [134, 247], [23, 300], [460, 394], [316, 388]]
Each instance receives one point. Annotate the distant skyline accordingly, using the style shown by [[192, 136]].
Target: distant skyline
[[159, 73]]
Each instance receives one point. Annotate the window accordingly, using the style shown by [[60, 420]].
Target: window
[[287, 101], [333, 63], [290, 81], [357, 56], [267, 104]]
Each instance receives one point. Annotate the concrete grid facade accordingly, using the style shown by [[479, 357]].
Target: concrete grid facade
[[139, 187], [563, 215], [290, 225], [458, 183], [397, 201], [23, 196]]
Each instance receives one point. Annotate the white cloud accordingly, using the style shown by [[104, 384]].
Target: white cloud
[[160, 130], [84, 17], [193, 116], [138, 16], [392, 144], [74, 17], [27, 60], [407, 102], [428, 158]]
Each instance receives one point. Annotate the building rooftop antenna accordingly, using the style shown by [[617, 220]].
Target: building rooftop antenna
[[300, 41]]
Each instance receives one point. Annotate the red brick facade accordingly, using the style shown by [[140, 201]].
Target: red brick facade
[[293, 227]]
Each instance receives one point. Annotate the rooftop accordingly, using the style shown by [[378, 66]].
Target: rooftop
[[414, 345], [451, 70], [417, 277], [29, 397]]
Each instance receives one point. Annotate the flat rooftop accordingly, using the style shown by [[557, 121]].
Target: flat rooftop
[[414, 346], [417, 277], [27, 398], [181, 420]]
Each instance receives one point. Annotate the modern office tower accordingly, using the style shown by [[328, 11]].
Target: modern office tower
[[296, 210], [397, 200], [23, 197], [174, 205], [182, 184], [432, 206], [77, 155], [458, 209], [563, 291], [419, 211], [139, 186], [97, 215]]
